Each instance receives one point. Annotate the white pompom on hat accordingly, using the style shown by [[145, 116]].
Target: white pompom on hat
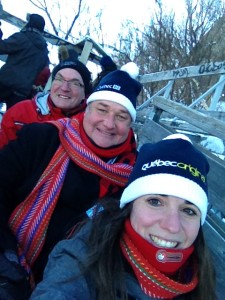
[[172, 167], [120, 86], [131, 68]]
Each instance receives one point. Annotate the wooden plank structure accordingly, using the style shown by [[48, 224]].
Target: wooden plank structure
[[153, 130], [205, 69]]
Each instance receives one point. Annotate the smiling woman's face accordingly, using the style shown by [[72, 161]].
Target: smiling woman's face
[[166, 221]]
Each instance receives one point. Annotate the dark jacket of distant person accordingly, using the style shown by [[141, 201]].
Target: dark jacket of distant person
[[27, 55]]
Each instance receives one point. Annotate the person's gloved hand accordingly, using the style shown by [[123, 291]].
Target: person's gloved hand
[[14, 282]]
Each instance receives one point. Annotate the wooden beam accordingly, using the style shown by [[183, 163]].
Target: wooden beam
[[205, 69], [206, 123]]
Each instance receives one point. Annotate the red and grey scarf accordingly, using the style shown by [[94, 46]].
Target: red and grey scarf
[[155, 267], [30, 219]]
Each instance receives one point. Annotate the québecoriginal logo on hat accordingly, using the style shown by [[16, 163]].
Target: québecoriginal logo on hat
[[167, 163]]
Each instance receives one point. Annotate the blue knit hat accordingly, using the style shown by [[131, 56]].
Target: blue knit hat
[[107, 63], [172, 167], [120, 86]]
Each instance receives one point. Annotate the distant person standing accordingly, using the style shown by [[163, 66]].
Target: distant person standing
[[27, 55]]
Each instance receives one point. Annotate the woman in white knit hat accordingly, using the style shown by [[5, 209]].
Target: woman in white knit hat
[[153, 246]]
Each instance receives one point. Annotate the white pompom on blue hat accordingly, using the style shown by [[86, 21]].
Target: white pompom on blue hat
[[120, 86], [172, 167]]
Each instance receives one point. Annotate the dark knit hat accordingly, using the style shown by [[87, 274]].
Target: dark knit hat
[[172, 167], [36, 21], [80, 68], [120, 86], [107, 63]]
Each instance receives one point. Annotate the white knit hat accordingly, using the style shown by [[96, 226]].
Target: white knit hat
[[172, 167]]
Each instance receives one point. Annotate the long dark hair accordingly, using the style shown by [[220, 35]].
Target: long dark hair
[[206, 289], [105, 262]]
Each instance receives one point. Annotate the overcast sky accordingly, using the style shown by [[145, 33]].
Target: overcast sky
[[115, 11]]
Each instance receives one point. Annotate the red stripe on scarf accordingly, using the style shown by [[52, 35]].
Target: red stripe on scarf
[[30, 219]]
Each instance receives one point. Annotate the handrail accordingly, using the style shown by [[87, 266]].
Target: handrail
[[153, 130], [207, 123], [205, 69]]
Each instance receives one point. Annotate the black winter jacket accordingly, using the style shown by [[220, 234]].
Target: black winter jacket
[[22, 163], [27, 55]]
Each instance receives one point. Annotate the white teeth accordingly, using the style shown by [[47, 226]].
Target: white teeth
[[163, 243], [64, 97]]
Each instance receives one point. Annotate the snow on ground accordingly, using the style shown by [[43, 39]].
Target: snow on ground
[[213, 144], [220, 106]]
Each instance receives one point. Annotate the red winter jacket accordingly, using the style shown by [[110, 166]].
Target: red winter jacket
[[40, 109]]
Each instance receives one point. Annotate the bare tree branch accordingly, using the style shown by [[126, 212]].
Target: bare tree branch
[[74, 20], [44, 6]]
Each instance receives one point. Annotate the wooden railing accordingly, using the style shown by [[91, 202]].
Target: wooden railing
[[170, 76]]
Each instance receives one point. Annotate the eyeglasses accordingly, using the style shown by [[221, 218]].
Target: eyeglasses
[[74, 83]]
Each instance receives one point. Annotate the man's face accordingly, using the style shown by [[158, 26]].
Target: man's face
[[106, 123], [67, 89]]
